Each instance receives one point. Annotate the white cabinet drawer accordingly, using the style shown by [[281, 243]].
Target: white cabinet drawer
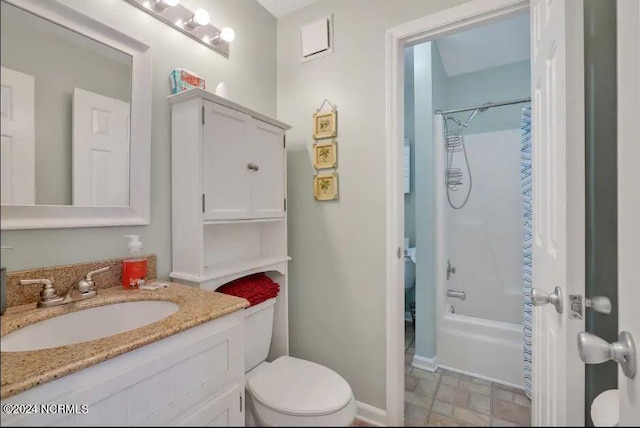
[[204, 406]]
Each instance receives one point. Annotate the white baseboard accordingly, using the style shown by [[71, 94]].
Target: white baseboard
[[370, 415], [424, 363], [490, 379], [407, 316]]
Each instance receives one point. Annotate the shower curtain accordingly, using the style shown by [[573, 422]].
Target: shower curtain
[[525, 178]]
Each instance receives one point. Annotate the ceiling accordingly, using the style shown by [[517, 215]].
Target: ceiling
[[280, 8], [500, 43]]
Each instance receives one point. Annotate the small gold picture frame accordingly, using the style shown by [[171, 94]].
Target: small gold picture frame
[[324, 124], [325, 187], [325, 155]]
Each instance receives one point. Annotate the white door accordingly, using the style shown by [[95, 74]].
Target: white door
[[558, 207], [629, 197], [226, 173], [18, 139], [267, 154], [100, 150]]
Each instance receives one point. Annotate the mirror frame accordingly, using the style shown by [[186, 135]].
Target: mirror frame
[[138, 212]]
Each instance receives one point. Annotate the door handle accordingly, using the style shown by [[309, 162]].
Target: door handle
[[594, 350], [600, 304], [539, 298]]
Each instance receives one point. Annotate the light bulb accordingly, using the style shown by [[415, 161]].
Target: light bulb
[[200, 17], [172, 3], [227, 34]]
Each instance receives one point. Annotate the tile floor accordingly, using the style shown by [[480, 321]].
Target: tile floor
[[446, 398]]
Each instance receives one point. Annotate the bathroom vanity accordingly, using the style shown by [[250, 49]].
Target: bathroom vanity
[[186, 369]]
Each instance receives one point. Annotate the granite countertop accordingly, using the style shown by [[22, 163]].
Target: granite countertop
[[20, 371]]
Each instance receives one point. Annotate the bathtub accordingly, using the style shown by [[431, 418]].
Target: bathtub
[[487, 349]]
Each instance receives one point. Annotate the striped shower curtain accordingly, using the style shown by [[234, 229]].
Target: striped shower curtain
[[525, 177]]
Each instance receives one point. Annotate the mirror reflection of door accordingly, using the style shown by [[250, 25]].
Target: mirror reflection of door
[[18, 139], [100, 150], [50, 170]]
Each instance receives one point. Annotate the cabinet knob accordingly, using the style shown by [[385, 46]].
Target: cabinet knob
[[250, 167], [256, 167]]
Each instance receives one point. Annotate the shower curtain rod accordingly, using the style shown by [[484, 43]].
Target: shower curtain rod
[[487, 105]]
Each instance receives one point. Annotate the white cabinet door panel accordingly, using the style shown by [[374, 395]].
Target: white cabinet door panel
[[268, 181], [227, 179]]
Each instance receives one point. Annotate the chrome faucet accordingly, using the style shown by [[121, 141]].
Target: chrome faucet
[[49, 297], [85, 287]]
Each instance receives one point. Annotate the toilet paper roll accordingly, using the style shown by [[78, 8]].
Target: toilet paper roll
[[604, 409]]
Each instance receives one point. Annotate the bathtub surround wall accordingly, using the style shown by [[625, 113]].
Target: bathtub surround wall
[[250, 74], [485, 237], [339, 248]]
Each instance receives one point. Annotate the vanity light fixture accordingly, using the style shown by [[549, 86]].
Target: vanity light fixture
[[195, 24]]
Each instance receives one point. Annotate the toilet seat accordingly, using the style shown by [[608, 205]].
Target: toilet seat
[[291, 391]]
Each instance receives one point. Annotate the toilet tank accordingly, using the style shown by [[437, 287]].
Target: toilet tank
[[258, 328]]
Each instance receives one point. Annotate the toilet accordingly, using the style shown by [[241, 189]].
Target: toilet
[[289, 391], [409, 268]]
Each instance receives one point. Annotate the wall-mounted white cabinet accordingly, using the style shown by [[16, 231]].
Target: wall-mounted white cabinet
[[243, 165], [228, 172]]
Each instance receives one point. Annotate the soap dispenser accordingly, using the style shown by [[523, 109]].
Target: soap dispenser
[[134, 268]]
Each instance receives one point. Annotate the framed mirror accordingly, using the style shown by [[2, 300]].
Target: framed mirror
[[76, 120]]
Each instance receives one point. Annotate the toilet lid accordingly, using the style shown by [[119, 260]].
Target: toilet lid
[[298, 387]]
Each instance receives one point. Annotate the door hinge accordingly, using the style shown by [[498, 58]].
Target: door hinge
[[284, 141], [241, 403], [203, 115], [399, 252], [285, 204], [203, 202]]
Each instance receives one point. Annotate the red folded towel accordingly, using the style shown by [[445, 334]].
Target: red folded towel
[[255, 288]]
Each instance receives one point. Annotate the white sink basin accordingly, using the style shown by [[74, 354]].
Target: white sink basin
[[86, 325]]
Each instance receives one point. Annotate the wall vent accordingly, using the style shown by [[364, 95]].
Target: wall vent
[[316, 39]]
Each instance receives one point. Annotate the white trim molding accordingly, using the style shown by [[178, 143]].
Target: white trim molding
[[138, 211], [423, 29], [370, 415], [424, 363]]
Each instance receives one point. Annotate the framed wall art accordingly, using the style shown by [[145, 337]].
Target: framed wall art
[[325, 155], [325, 187], [325, 124]]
